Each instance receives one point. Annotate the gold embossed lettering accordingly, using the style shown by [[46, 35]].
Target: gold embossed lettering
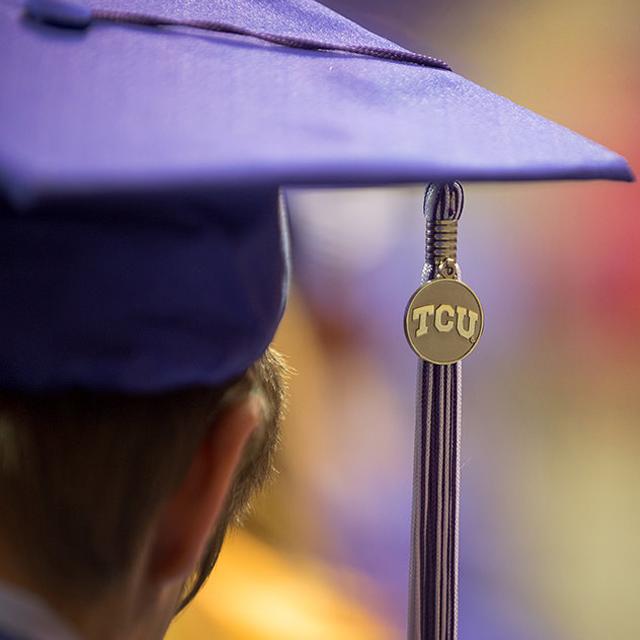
[[470, 329], [444, 325], [420, 314]]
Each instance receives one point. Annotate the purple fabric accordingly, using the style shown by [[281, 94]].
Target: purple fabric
[[293, 42], [133, 108], [139, 296]]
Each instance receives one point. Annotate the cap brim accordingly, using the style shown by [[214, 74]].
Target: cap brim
[[119, 108]]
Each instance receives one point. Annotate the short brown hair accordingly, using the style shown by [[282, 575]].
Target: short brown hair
[[82, 473]]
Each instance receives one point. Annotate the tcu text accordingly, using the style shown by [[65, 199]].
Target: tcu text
[[445, 318]]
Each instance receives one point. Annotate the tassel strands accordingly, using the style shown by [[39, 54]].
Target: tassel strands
[[434, 549]]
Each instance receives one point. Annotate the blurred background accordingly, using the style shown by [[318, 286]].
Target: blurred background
[[550, 539]]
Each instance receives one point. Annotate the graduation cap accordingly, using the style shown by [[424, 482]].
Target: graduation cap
[[143, 148]]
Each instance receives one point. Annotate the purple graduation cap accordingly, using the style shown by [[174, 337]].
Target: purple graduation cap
[[143, 148]]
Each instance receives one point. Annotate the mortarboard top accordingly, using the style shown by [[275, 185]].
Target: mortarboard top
[[115, 107]]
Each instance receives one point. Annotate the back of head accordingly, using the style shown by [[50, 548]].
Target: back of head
[[83, 474]]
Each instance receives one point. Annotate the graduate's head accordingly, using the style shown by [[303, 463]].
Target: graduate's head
[[109, 495], [138, 398]]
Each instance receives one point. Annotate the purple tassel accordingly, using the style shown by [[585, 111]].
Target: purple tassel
[[433, 605]]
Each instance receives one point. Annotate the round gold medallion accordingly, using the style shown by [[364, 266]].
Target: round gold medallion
[[444, 321]]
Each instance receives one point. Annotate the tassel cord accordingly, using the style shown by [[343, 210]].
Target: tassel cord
[[435, 516]]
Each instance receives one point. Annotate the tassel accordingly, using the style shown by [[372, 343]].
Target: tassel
[[433, 609]]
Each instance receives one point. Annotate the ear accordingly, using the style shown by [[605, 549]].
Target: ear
[[188, 518]]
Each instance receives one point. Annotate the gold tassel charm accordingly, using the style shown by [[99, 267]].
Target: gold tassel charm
[[444, 318]]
